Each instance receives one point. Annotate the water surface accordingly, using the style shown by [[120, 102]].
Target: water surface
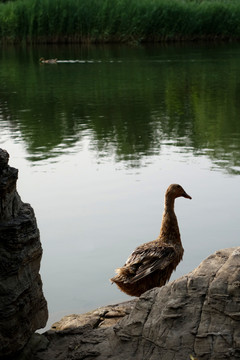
[[98, 137]]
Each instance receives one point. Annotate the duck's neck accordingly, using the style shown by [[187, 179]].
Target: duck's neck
[[169, 230]]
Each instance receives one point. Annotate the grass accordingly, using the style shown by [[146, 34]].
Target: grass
[[55, 21]]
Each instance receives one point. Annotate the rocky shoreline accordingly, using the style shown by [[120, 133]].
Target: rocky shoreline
[[197, 315]]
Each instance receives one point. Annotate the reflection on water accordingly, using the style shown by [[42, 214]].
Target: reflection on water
[[98, 141], [128, 101]]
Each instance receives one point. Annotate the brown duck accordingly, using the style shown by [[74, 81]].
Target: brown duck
[[151, 264], [48, 61]]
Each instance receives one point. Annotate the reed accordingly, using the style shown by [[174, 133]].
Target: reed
[[118, 20]]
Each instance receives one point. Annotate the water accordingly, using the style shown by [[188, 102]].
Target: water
[[98, 137]]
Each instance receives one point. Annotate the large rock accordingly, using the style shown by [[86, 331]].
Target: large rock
[[23, 308], [197, 315]]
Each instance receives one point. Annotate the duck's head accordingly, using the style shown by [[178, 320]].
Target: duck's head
[[175, 190]]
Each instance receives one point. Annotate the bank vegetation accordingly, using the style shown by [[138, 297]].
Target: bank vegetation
[[98, 21]]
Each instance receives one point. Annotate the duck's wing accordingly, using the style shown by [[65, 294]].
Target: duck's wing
[[146, 261]]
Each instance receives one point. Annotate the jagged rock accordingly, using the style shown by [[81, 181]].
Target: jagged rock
[[10, 201], [23, 308], [198, 315]]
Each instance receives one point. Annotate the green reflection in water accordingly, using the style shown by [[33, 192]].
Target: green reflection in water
[[126, 101]]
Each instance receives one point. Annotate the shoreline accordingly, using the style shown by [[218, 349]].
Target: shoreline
[[181, 319], [132, 41]]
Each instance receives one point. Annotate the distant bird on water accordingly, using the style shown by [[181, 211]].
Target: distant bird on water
[[49, 61], [151, 264]]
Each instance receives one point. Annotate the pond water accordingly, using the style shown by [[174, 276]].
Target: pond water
[[97, 141]]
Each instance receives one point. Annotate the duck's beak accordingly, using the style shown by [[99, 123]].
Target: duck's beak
[[186, 195]]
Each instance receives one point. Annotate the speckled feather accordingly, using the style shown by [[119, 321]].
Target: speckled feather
[[148, 258]]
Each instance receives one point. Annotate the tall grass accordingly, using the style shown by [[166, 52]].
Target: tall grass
[[118, 20]]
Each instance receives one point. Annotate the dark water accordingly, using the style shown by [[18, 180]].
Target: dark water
[[97, 139]]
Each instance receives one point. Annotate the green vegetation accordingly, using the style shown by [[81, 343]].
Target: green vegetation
[[52, 21]]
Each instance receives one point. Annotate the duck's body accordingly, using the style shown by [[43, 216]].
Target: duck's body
[[151, 264], [48, 61]]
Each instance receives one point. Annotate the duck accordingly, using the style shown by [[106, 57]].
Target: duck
[[151, 264], [49, 61]]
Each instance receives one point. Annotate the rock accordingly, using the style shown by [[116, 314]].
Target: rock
[[37, 342], [23, 308], [102, 317], [4, 157], [10, 201], [197, 315]]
